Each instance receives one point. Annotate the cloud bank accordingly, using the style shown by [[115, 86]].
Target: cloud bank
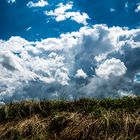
[[95, 61]]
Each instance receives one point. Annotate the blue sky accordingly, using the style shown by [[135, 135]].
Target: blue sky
[[17, 17], [69, 48]]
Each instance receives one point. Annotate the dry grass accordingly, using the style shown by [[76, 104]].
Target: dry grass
[[85, 119]]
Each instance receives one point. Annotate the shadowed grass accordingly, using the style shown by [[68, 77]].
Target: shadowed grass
[[114, 119]]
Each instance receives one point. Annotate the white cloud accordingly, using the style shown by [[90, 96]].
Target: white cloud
[[13, 75], [137, 10], [43, 68], [81, 74], [29, 28], [124, 93], [111, 68], [61, 13], [112, 10], [11, 1], [15, 44], [61, 76], [9, 61], [126, 6], [40, 3]]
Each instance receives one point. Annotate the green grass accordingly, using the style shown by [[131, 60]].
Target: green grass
[[71, 120]]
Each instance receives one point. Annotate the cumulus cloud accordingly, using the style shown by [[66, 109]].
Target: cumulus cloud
[[40, 3], [81, 74], [112, 67], [62, 12], [14, 44], [8, 61], [95, 61]]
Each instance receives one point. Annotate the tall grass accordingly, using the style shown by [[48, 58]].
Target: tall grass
[[83, 119]]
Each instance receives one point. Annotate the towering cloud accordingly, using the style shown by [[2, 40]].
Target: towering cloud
[[93, 62]]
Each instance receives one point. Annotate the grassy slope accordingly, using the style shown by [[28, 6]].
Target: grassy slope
[[105, 119]]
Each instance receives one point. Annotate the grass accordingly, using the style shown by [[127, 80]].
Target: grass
[[83, 119]]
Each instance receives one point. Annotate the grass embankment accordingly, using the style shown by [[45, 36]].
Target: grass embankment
[[85, 119]]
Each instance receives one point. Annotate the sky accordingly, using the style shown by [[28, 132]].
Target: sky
[[69, 48]]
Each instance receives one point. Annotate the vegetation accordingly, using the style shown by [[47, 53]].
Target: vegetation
[[85, 119]]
